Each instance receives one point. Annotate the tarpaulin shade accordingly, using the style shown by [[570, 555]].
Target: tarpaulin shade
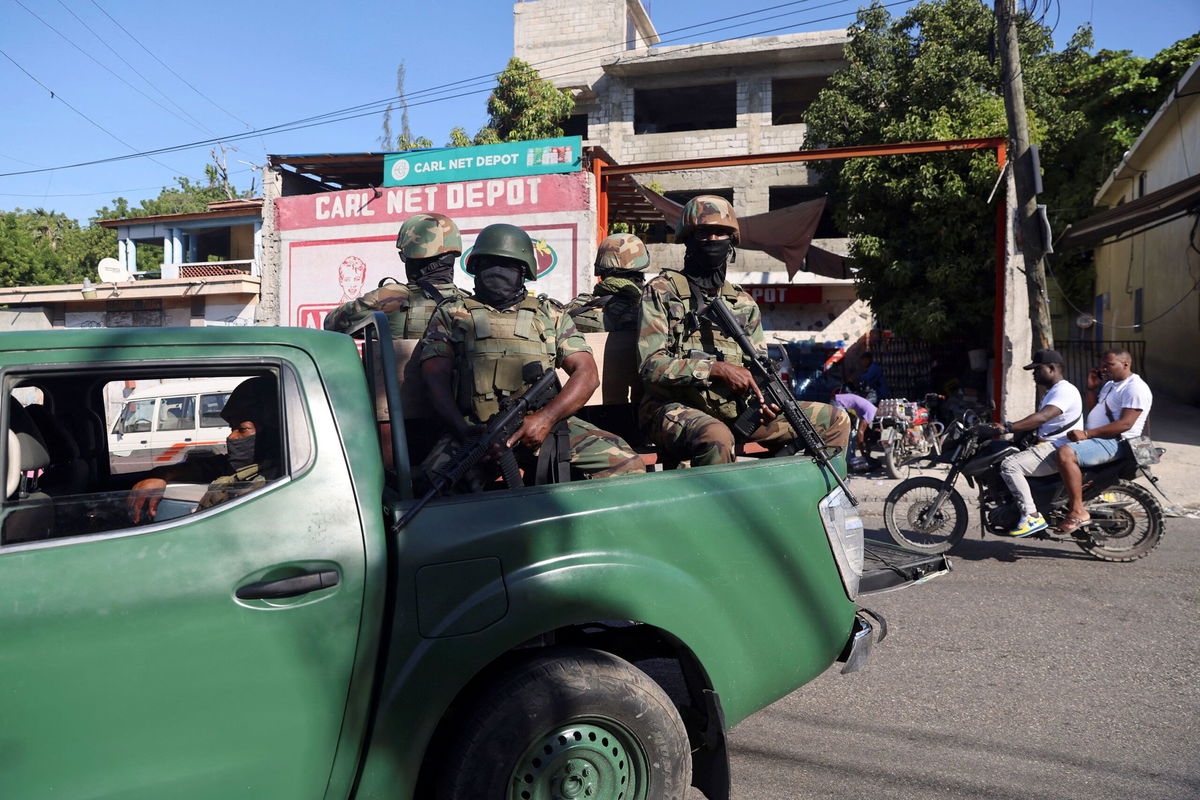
[[1158, 206], [785, 234]]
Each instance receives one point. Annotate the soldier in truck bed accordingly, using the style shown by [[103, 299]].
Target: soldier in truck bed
[[475, 348], [428, 245], [694, 376], [612, 305]]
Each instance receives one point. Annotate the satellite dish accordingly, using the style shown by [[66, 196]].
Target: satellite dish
[[111, 271], [1085, 321]]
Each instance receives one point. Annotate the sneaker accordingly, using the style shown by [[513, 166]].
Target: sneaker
[[1031, 524]]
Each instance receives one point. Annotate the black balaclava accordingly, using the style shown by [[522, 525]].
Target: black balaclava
[[704, 262], [241, 452], [439, 269], [499, 283]]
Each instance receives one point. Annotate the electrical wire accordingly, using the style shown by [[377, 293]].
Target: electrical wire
[[55, 96], [344, 115], [134, 69], [101, 64]]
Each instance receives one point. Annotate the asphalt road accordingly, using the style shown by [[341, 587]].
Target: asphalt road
[[1031, 671]]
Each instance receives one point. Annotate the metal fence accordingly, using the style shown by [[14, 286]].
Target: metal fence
[[1082, 355]]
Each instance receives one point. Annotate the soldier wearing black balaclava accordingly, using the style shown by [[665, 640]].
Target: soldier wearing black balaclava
[[252, 456]]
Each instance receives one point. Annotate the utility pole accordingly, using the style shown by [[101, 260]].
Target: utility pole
[[1023, 172]]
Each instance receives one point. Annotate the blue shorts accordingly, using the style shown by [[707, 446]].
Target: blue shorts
[[1094, 452]]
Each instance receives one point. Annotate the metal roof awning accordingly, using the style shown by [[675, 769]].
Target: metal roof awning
[[1145, 212], [343, 170]]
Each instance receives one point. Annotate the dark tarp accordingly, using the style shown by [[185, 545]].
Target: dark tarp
[[1158, 206], [785, 234]]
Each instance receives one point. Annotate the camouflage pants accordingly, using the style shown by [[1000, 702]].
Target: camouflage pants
[[688, 434], [595, 453]]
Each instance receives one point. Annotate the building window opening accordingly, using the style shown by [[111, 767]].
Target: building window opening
[[575, 125], [783, 196], [791, 97], [685, 108]]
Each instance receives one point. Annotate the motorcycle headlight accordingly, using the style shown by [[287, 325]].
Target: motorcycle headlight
[[844, 529]]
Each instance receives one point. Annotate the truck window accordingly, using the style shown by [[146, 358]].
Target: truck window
[[63, 481]]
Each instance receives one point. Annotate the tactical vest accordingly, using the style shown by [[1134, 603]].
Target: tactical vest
[[227, 487], [717, 398], [606, 312], [498, 345], [420, 308]]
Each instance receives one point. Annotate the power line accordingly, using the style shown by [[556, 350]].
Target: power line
[[55, 96], [373, 107], [108, 191], [132, 68], [100, 64], [167, 66]]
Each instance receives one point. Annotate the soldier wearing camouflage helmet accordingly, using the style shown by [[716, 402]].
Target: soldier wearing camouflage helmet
[[694, 377], [252, 456], [428, 245], [475, 349], [612, 305]]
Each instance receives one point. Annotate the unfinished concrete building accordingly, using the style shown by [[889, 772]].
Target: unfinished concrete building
[[644, 100]]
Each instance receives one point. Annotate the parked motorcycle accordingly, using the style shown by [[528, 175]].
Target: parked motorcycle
[[928, 514], [907, 433]]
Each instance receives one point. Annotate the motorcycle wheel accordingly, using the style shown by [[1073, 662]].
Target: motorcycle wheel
[[902, 516], [1127, 523], [894, 454]]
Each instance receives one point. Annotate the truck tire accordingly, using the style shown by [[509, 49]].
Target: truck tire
[[569, 723]]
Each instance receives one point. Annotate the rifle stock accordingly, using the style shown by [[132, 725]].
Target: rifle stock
[[773, 389], [495, 434]]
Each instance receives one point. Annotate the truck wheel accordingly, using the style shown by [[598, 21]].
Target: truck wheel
[[575, 723]]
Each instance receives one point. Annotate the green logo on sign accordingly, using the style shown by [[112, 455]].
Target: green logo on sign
[[547, 258]]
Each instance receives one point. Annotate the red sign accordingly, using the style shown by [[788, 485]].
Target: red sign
[[497, 197], [785, 294]]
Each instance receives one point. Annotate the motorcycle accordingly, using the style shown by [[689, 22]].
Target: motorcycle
[[907, 433], [929, 514]]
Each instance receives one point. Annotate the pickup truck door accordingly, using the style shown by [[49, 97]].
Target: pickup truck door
[[132, 668]]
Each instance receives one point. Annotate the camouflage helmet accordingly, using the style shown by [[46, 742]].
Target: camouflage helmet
[[428, 236], [254, 399], [706, 210], [622, 252], [507, 241]]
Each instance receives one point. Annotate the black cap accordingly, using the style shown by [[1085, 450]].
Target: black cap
[[1045, 357]]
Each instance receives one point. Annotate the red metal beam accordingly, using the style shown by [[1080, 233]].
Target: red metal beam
[[831, 153], [998, 313], [598, 165]]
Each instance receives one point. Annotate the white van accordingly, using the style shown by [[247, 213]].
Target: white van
[[161, 424]]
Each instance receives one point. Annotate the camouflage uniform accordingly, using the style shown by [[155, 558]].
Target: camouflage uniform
[[408, 305], [490, 347], [683, 412], [613, 303]]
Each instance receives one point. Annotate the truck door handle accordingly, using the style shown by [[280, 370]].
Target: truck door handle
[[289, 587]]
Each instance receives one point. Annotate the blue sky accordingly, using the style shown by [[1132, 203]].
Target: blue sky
[[193, 71]]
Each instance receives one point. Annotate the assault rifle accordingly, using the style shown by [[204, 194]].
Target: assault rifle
[[493, 437], [766, 375]]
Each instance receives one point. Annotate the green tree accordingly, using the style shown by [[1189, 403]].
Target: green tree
[[921, 230], [921, 227], [402, 140], [524, 107]]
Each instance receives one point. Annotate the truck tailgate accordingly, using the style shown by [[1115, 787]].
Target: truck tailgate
[[886, 566]]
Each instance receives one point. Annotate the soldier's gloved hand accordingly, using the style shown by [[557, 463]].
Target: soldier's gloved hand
[[533, 431], [738, 378]]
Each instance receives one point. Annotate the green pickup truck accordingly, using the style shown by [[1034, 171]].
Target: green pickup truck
[[591, 639]]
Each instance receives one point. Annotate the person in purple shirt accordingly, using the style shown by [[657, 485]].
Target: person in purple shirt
[[864, 415]]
